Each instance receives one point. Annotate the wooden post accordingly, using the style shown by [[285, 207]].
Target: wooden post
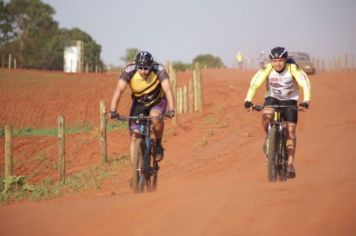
[[173, 78], [8, 150], [86, 68], [9, 65], [3, 61], [190, 96], [168, 67], [61, 149], [185, 99], [103, 121], [14, 63], [179, 100], [198, 95]]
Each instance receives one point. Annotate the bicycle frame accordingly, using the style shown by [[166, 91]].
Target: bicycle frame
[[145, 171], [276, 144]]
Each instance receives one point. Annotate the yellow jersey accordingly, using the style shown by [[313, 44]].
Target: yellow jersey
[[146, 91]]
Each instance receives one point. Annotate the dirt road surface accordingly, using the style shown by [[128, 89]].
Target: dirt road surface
[[213, 179]]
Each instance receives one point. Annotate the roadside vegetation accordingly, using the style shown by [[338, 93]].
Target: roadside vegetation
[[16, 188], [76, 129]]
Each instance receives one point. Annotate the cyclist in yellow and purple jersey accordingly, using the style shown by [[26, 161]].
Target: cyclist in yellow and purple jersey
[[151, 95], [283, 80]]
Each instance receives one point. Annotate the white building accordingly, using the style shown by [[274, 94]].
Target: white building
[[73, 57]]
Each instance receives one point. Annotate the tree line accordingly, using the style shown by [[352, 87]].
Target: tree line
[[204, 60], [30, 34]]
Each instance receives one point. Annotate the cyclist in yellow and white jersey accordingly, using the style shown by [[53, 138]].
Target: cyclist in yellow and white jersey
[[283, 80], [151, 95]]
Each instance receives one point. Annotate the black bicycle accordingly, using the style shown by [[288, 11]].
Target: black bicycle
[[144, 166], [276, 149]]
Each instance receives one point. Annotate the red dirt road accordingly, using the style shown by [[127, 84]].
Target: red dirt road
[[213, 180]]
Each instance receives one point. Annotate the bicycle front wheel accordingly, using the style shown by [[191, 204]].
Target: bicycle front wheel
[[272, 154], [137, 154]]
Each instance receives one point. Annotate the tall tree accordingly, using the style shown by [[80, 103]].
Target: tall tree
[[130, 55], [36, 41], [6, 31], [33, 23], [209, 61]]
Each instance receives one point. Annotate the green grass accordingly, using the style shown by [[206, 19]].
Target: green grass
[[76, 129], [15, 188]]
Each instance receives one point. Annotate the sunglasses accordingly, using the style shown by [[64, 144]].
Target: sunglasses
[[143, 67]]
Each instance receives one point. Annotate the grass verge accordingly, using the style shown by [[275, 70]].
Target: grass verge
[[76, 129], [15, 188]]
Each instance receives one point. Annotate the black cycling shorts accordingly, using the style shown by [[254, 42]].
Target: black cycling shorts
[[287, 114]]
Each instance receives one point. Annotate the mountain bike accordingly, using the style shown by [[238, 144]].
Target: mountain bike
[[276, 149], [144, 166]]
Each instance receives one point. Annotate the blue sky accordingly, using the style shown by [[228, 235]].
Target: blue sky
[[182, 29]]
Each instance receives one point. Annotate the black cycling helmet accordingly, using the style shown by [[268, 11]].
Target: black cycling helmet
[[278, 52], [144, 58]]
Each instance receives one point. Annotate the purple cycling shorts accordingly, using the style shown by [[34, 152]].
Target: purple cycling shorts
[[137, 109]]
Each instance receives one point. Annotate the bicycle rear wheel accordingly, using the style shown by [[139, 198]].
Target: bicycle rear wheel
[[272, 154], [155, 176], [137, 154], [283, 161]]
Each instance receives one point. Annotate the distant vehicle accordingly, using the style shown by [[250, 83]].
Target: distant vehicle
[[302, 59]]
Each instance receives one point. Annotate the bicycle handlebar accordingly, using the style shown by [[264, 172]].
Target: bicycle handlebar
[[139, 117], [260, 108]]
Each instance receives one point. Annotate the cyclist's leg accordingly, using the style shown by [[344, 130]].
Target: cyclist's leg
[[291, 142], [158, 124], [134, 134], [267, 112], [290, 116], [158, 127]]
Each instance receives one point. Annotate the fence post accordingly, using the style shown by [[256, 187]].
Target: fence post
[[190, 96], [9, 65], [185, 99], [61, 149], [198, 95], [103, 121], [173, 77], [179, 100], [8, 150]]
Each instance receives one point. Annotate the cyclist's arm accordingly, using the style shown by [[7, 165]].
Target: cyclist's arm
[[257, 80], [303, 81], [120, 88], [167, 89]]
